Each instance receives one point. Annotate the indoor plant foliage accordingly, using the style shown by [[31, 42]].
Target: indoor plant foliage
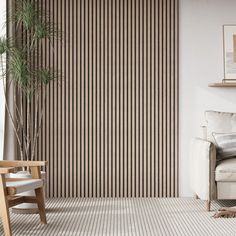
[[23, 76]]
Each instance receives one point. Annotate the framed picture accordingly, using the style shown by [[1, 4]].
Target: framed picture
[[229, 32]]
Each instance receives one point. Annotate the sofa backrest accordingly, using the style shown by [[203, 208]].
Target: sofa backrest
[[219, 122]]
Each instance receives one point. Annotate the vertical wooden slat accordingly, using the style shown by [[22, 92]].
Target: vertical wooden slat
[[110, 127], [133, 105], [141, 89], [87, 100], [98, 100], [125, 97], [118, 78], [160, 104], [114, 91], [62, 143], [91, 88], [66, 104], [71, 86], [121, 98], [82, 97], [129, 107], [45, 127], [78, 99], [59, 112], [137, 98], [106, 91], [145, 105], [149, 111], [153, 90], [110, 101], [50, 106], [94, 86], [168, 97], [74, 100], [39, 61]]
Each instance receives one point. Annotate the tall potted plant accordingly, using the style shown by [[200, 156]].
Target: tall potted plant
[[25, 78]]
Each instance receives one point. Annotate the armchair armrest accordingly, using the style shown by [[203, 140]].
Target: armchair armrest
[[22, 163], [6, 170], [203, 163]]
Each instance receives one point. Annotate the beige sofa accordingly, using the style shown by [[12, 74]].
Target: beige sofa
[[212, 179]]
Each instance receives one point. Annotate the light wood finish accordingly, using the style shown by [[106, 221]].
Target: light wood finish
[[7, 170], [111, 125], [4, 213], [208, 205], [16, 200], [41, 204], [22, 163], [222, 85], [9, 199], [39, 193]]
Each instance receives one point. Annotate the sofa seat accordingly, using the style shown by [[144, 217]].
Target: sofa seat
[[226, 171]]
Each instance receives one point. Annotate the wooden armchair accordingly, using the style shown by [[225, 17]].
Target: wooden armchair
[[9, 188]]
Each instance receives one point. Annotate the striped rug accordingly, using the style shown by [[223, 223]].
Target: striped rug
[[143, 216]]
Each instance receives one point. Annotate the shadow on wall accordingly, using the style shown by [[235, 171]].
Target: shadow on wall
[[2, 99], [222, 99]]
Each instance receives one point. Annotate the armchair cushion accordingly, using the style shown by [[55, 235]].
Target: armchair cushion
[[219, 122], [16, 186], [225, 145], [226, 171]]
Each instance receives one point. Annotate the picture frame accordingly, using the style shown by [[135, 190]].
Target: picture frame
[[229, 45]]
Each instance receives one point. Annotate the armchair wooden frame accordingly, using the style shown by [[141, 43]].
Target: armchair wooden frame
[[8, 197]]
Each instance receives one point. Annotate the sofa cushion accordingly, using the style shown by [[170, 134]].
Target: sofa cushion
[[219, 122], [225, 144], [226, 170]]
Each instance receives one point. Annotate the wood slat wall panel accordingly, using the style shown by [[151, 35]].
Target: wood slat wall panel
[[111, 125]]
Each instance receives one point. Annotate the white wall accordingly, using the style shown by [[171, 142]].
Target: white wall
[[201, 62], [2, 104]]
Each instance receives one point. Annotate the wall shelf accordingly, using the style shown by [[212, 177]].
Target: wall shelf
[[222, 85]]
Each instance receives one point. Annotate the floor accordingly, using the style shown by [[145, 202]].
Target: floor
[[185, 216]]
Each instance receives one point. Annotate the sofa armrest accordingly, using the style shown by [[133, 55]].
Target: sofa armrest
[[203, 163]]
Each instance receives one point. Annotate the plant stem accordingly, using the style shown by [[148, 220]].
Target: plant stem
[[28, 128], [35, 127]]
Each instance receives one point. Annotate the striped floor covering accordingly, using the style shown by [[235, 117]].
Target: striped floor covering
[[156, 217]]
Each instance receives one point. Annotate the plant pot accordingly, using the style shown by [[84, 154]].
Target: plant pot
[[26, 208]]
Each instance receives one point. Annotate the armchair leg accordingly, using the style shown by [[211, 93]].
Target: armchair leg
[[41, 205], [5, 219], [208, 205], [4, 213]]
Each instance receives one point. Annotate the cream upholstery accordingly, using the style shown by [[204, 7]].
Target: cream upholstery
[[211, 179], [23, 185], [226, 190], [226, 171], [203, 168]]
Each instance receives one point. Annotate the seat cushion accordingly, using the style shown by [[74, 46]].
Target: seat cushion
[[226, 170], [219, 122], [225, 145], [17, 185]]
